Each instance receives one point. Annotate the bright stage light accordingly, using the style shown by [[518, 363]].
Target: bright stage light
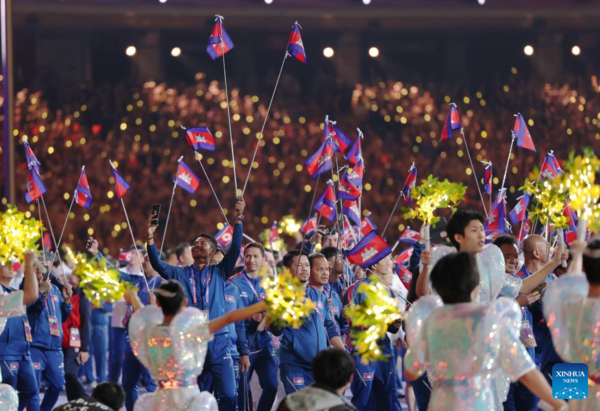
[[366, 2], [162, 1], [268, 1], [528, 50], [328, 52], [481, 2], [576, 50], [374, 52], [176, 52], [130, 51]]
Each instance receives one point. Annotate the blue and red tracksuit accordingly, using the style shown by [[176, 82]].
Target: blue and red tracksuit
[[205, 290], [300, 346], [15, 359], [375, 385], [46, 349], [263, 359]]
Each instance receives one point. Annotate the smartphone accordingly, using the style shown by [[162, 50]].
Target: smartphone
[[155, 213]]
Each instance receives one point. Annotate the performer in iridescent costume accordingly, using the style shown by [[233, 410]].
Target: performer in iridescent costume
[[466, 344], [572, 311], [171, 341]]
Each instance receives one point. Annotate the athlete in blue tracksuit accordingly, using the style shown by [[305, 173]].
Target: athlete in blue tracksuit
[[337, 308], [15, 358], [263, 359], [99, 344], [205, 289], [46, 316], [376, 388], [300, 346]]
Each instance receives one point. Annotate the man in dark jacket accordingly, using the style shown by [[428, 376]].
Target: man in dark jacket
[[333, 370]]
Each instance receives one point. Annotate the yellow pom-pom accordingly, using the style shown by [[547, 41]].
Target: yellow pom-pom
[[433, 195], [286, 297], [17, 235]]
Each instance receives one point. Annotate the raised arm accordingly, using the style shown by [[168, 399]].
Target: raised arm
[[531, 282], [165, 270], [226, 266], [30, 282], [423, 283]]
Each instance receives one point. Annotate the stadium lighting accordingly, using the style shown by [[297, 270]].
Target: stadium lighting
[[366, 2], [528, 50], [130, 51], [576, 50], [268, 1], [162, 1], [481, 2], [374, 52], [176, 52], [328, 52]]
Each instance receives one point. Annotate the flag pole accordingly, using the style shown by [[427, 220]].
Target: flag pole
[[312, 203], [508, 160], [134, 243], [534, 223], [393, 211], [170, 205], [221, 18], [199, 158], [53, 237], [462, 132], [68, 212], [261, 135]]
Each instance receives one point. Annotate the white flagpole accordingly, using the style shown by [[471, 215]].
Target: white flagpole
[[162, 245], [199, 158], [56, 252], [133, 239]]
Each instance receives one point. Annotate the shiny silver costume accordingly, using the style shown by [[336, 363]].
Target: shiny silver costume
[[175, 356], [11, 305]]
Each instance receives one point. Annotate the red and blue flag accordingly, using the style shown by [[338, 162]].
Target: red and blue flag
[[496, 222], [219, 42], [369, 251], [341, 141], [225, 236], [35, 186], [83, 195], [520, 211], [200, 138], [411, 182], [488, 176], [295, 45], [452, 123], [320, 162], [356, 176], [409, 236], [550, 169], [325, 205], [572, 217], [309, 226], [520, 130], [367, 225], [32, 161], [351, 211], [121, 185], [347, 190], [274, 233], [355, 151], [524, 231], [404, 257], [186, 178]]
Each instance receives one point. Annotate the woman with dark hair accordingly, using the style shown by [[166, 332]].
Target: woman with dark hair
[[467, 344], [171, 340], [572, 310]]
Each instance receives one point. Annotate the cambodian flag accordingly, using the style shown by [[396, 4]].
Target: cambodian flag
[[219, 42], [404, 257], [120, 183], [488, 179], [125, 256], [356, 176], [524, 231], [225, 236], [351, 210], [370, 250], [83, 195], [496, 222], [320, 162], [342, 142], [404, 275], [32, 161], [409, 236], [309, 226], [325, 205], [347, 190], [550, 169], [355, 151], [367, 225], [274, 233], [186, 178], [295, 45], [200, 138], [520, 211], [523, 137], [35, 186], [410, 183], [572, 217], [452, 123]]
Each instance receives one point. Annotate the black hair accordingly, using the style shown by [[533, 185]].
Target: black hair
[[333, 367], [181, 249], [454, 277], [138, 246], [255, 245], [591, 265], [329, 252], [314, 256], [288, 258], [171, 305], [210, 238], [459, 221], [110, 394], [505, 239]]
